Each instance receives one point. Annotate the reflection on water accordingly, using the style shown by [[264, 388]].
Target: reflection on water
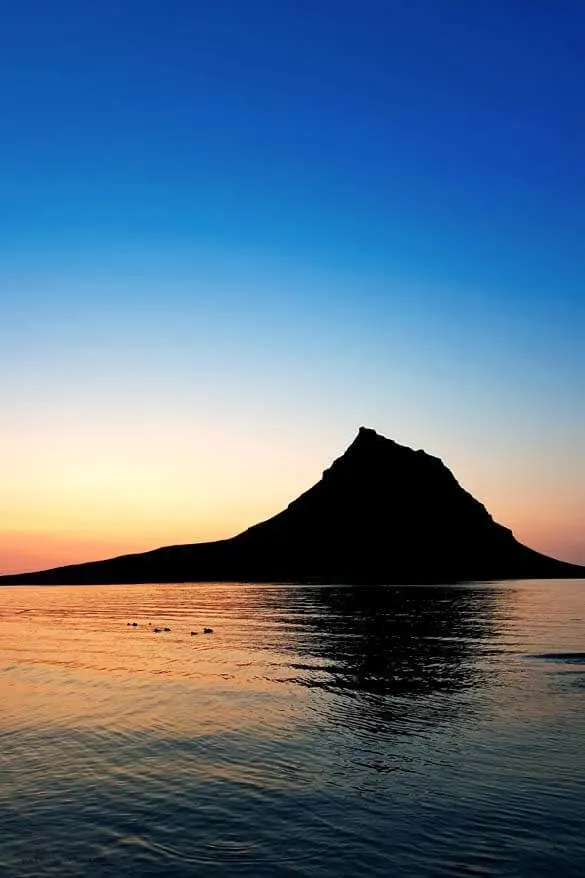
[[393, 640], [318, 731]]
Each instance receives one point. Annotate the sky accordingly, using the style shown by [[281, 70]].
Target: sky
[[233, 232]]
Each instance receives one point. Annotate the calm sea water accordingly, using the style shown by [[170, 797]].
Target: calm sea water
[[319, 731]]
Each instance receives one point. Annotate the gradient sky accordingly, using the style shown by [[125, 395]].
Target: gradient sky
[[232, 232]]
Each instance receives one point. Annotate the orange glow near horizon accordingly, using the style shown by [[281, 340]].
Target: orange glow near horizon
[[86, 497], [135, 490]]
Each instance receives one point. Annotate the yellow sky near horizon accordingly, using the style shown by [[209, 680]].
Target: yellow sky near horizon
[[83, 497]]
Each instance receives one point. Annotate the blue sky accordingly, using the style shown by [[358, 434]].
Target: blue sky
[[262, 224]]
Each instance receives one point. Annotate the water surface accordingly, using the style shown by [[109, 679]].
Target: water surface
[[319, 731]]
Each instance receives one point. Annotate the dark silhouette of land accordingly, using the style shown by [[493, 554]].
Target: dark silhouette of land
[[382, 513]]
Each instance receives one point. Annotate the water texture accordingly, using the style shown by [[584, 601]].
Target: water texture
[[318, 731]]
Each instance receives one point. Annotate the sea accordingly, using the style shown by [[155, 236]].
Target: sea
[[322, 731]]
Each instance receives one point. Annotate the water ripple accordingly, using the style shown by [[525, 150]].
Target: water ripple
[[319, 731]]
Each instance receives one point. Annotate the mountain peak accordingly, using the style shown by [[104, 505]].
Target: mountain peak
[[371, 450], [367, 434], [382, 512], [368, 439]]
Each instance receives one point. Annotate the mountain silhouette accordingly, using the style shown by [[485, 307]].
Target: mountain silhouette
[[381, 513]]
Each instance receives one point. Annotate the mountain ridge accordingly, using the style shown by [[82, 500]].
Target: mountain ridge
[[381, 512]]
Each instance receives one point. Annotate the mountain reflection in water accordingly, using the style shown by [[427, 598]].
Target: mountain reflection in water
[[319, 731], [395, 640]]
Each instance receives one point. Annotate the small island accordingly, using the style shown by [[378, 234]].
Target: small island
[[381, 513]]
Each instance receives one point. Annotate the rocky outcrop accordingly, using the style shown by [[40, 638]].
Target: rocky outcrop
[[381, 513]]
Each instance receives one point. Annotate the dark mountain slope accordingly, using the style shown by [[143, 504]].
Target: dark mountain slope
[[381, 513]]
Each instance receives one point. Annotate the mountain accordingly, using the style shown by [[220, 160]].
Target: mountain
[[381, 513]]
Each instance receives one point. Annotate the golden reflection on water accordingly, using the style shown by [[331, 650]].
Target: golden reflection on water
[[422, 728], [69, 654]]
